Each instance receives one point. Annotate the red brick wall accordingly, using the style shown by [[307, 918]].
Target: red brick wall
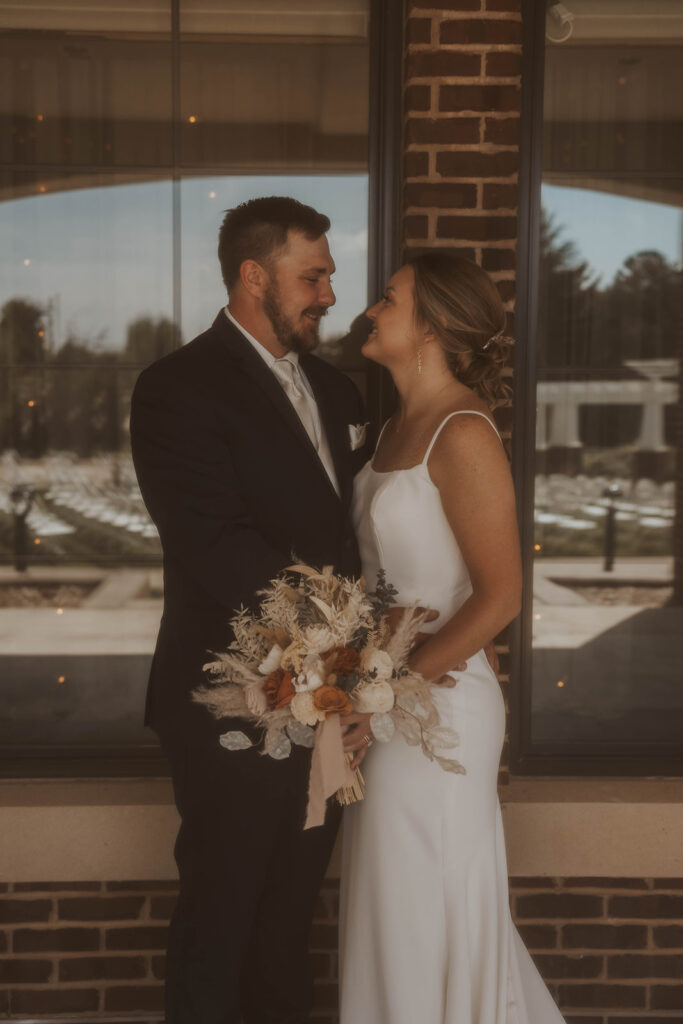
[[610, 949], [462, 103], [462, 93]]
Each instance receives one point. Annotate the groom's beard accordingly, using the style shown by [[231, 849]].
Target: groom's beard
[[301, 338]]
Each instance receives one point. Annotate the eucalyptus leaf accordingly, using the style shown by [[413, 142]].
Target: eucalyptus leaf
[[450, 765], [382, 726], [277, 745], [302, 735], [235, 741]]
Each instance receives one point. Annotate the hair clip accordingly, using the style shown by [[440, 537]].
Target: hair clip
[[494, 337]]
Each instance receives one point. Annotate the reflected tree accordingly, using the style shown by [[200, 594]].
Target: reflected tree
[[22, 354], [644, 307], [567, 301], [148, 339]]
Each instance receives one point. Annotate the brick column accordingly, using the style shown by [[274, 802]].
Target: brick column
[[462, 93], [462, 104]]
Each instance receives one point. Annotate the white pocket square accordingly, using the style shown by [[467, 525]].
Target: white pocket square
[[357, 435]]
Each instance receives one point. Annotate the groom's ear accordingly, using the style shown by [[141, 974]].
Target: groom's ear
[[254, 278]]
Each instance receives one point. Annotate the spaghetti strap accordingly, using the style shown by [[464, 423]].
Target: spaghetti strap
[[458, 412], [379, 436]]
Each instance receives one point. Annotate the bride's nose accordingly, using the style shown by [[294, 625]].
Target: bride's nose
[[371, 313]]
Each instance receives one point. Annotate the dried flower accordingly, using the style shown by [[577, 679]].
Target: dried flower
[[279, 689], [342, 660], [374, 697], [304, 710], [271, 661], [332, 701], [377, 663]]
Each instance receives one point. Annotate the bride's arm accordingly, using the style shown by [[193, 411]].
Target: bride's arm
[[470, 469]]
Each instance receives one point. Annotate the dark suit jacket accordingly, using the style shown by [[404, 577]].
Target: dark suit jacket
[[236, 490]]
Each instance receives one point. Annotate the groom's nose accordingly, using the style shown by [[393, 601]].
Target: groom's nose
[[326, 295]]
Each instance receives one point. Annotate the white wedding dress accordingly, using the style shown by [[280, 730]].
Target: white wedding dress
[[426, 931]]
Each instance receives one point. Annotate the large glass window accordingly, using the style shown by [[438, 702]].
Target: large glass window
[[125, 132], [604, 674]]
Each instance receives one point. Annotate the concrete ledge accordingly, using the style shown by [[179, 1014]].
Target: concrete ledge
[[117, 830]]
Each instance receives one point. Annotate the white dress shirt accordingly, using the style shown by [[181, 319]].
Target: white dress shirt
[[296, 386]]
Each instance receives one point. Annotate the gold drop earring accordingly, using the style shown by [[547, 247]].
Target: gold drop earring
[[419, 360]]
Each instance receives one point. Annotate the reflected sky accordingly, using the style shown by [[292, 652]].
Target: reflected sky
[[608, 228], [103, 256]]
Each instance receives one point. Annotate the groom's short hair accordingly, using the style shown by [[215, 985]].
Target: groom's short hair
[[258, 229]]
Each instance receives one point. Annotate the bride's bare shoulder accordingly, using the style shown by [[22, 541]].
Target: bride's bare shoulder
[[468, 436]]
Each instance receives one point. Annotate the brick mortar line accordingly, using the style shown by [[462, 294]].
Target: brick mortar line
[[427, 180], [440, 16], [462, 80], [457, 115], [468, 112], [458, 212], [467, 48]]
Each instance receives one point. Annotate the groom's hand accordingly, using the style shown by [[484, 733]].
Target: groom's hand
[[357, 736]]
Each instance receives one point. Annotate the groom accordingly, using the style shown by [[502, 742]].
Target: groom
[[245, 447]]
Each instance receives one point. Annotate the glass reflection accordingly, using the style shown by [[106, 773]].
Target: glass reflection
[[607, 638], [79, 84], [93, 256], [109, 262]]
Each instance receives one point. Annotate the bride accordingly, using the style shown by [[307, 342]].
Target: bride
[[426, 932]]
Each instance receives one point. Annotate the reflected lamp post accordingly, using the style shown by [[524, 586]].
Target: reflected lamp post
[[21, 498], [611, 492]]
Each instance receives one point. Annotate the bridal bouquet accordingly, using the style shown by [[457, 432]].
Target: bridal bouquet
[[315, 651]]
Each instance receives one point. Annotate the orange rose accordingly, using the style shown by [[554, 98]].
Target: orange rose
[[342, 660], [279, 689], [332, 700]]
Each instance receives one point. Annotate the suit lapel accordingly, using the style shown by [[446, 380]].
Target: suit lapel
[[240, 350], [335, 428]]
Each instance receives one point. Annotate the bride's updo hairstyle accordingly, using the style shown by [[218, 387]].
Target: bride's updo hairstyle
[[462, 307]]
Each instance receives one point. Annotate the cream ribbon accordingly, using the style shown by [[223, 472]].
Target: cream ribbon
[[329, 769]]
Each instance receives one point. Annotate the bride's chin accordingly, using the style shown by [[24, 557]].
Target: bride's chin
[[370, 352]]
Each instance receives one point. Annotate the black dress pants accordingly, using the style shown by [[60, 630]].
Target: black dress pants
[[249, 878]]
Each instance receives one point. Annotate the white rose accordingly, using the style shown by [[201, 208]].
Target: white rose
[[271, 660], [318, 639], [379, 661], [304, 710], [371, 698]]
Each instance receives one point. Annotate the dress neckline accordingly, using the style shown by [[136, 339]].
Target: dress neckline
[[418, 465], [388, 472]]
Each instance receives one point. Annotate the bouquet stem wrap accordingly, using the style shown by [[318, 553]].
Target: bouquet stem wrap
[[329, 769]]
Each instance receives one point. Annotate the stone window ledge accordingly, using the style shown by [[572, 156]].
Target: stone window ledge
[[61, 830]]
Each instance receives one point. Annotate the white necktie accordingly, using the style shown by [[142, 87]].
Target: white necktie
[[289, 376]]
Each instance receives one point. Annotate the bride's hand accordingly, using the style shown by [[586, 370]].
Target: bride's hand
[[357, 736]]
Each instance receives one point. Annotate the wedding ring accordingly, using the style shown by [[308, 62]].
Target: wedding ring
[[368, 741]]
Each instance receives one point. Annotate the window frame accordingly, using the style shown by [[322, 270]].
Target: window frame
[[384, 174], [525, 758]]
